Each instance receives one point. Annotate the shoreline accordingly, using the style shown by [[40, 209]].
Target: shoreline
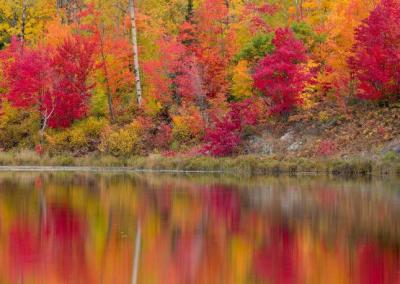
[[96, 169], [248, 165]]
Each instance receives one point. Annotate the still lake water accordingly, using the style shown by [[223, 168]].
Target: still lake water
[[140, 228]]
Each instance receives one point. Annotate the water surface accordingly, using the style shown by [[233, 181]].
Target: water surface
[[137, 228]]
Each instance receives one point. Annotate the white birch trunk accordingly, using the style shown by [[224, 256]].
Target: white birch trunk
[[135, 53], [23, 21]]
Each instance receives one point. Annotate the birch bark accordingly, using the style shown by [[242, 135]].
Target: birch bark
[[135, 53]]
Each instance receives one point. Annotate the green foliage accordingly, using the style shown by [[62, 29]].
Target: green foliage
[[98, 104], [307, 35], [257, 48], [391, 156]]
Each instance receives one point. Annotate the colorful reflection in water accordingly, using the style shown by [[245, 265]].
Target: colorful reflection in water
[[87, 228]]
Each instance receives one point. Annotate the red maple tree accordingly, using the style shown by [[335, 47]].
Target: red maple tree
[[376, 60], [54, 82], [281, 76], [72, 64]]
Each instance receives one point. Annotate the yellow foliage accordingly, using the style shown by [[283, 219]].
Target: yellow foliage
[[8, 114], [181, 131], [184, 128], [317, 11], [78, 136], [56, 140], [123, 142], [38, 12], [7, 27], [242, 82], [339, 25], [323, 116], [310, 90], [93, 127], [17, 127]]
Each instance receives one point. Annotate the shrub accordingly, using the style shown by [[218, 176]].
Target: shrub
[[81, 136], [163, 138], [186, 128], [77, 138], [57, 140], [18, 128], [39, 149], [92, 126], [224, 138], [122, 142], [226, 135], [391, 156]]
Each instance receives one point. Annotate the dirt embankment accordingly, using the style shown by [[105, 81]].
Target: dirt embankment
[[362, 131]]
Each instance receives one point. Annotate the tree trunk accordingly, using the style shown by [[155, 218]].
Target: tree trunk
[[189, 15], [299, 9], [135, 53], [43, 126], [23, 23], [105, 70], [200, 94]]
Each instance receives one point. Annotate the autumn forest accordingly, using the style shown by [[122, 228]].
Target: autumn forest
[[305, 78]]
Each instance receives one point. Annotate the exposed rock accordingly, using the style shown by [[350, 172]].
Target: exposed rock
[[259, 145], [295, 146], [393, 146], [287, 137]]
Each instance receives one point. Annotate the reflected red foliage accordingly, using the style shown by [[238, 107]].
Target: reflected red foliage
[[225, 203], [278, 261], [58, 244]]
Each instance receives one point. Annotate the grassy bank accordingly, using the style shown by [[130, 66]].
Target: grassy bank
[[242, 165]]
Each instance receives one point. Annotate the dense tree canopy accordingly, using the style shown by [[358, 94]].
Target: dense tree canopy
[[78, 64]]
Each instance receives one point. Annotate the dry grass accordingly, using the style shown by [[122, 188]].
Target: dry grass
[[241, 165]]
